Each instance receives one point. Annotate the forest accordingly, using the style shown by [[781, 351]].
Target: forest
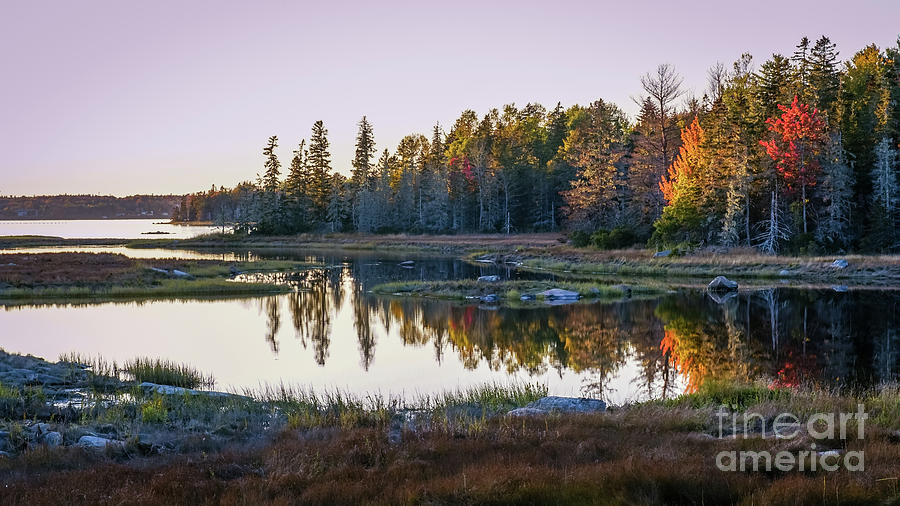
[[86, 207], [797, 154]]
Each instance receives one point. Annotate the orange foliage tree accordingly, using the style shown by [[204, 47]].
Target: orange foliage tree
[[798, 138]]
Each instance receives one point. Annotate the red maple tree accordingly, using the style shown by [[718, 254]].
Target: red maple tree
[[799, 135]]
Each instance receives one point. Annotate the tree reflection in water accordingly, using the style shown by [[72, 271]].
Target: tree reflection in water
[[781, 336]]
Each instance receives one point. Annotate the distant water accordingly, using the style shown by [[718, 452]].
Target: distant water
[[102, 229]]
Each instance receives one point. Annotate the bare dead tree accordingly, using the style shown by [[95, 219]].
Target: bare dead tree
[[663, 88]]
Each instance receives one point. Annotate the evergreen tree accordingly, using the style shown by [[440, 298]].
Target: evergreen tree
[[885, 196], [837, 192], [319, 161], [271, 220]]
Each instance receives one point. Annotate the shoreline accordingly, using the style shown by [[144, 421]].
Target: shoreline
[[65, 431], [544, 253]]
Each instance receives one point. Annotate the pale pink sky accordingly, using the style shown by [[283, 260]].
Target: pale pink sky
[[121, 97]]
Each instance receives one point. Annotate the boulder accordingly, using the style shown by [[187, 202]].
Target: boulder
[[626, 290], [722, 284], [180, 274], [406, 263], [840, 288], [161, 271], [840, 263], [662, 254], [98, 443], [488, 279], [527, 296], [569, 405], [784, 272], [554, 404], [527, 412], [52, 439], [155, 388], [490, 298], [559, 294]]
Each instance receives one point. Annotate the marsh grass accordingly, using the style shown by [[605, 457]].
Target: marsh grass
[[105, 373]]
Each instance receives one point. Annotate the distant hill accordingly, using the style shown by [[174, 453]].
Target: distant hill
[[87, 207]]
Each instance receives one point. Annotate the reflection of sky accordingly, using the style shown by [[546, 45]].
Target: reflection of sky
[[103, 229], [227, 338]]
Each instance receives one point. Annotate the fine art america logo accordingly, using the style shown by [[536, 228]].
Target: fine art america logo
[[819, 427]]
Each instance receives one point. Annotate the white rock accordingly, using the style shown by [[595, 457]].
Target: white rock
[[721, 283], [489, 279], [559, 293], [97, 442], [840, 263]]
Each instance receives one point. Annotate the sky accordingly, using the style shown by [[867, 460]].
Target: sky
[[124, 97]]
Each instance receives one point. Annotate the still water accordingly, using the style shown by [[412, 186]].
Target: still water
[[102, 229], [332, 332]]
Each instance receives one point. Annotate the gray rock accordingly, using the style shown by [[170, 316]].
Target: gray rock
[[170, 390], [527, 412], [180, 274], [722, 284], [840, 263], [527, 297], [840, 288], [490, 298], [626, 290], [406, 263], [98, 443], [161, 271], [53, 439], [488, 279], [559, 294], [662, 254], [568, 405], [784, 272]]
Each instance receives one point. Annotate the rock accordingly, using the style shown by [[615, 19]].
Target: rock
[[559, 294], [722, 284], [662, 254], [527, 297], [626, 290], [5, 454], [784, 272], [98, 443], [568, 405], [527, 412], [489, 279], [170, 390], [53, 439], [406, 263], [161, 271], [180, 274], [840, 263], [840, 288], [490, 298]]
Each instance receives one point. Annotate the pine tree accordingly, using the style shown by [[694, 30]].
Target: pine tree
[[885, 196], [319, 161], [271, 220], [824, 77], [596, 199], [362, 175], [336, 210], [833, 229], [297, 188]]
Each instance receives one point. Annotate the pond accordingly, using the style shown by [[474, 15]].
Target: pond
[[331, 332]]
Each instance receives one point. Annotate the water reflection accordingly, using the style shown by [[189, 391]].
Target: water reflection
[[629, 349]]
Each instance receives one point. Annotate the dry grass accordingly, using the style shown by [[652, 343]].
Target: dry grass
[[619, 458]]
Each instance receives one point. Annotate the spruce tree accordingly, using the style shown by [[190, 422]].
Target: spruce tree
[[319, 161]]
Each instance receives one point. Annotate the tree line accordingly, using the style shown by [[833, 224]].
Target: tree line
[[796, 155]]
